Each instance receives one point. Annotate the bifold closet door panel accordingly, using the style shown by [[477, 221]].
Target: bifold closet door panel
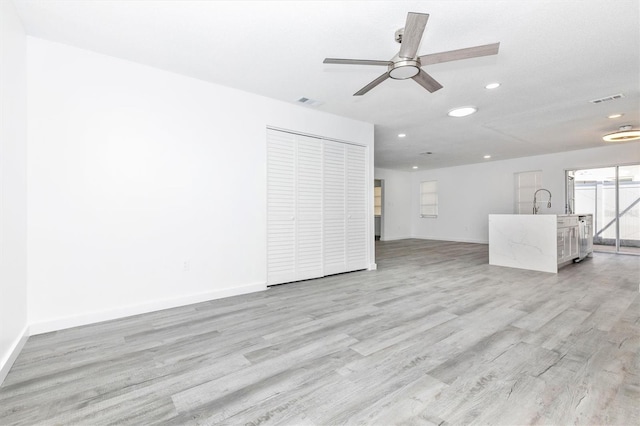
[[309, 208], [281, 207], [334, 198], [356, 208]]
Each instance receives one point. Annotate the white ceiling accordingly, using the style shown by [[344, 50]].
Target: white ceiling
[[555, 56]]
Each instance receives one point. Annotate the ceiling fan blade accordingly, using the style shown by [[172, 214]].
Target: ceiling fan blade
[[371, 85], [355, 62], [426, 81], [454, 55], [413, 30]]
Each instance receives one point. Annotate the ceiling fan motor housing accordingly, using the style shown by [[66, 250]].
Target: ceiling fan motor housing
[[403, 68]]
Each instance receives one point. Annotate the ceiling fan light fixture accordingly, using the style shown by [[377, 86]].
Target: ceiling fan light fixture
[[462, 111], [626, 133], [403, 70]]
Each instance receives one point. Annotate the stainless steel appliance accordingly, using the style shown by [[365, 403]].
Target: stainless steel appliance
[[585, 236]]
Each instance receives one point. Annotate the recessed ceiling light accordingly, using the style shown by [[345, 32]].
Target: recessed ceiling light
[[415, 167], [462, 112], [486, 156], [615, 116], [401, 135], [492, 86], [626, 133]]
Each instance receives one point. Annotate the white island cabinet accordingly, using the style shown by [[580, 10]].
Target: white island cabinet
[[535, 242], [568, 242]]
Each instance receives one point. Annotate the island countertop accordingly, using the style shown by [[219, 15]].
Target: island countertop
[[540, 242]]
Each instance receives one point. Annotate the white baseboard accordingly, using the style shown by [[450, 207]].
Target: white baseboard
[[394, 238], [372, 267], [143, 308], [10, 358], [455, 240]]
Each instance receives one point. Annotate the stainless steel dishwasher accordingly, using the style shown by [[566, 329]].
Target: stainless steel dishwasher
[[585, 236]]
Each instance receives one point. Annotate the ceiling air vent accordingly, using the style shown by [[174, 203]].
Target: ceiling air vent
[[309, 102], [607, 98]]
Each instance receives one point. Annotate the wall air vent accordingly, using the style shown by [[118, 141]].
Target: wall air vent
[[607, 98], [309, 102]]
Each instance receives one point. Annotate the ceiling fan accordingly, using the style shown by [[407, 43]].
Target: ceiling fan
[[407, 63]]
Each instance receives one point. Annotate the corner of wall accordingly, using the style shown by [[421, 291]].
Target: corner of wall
[[13, 187], [7, 362]]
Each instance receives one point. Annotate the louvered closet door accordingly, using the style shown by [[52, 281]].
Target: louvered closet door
[[281, 207], [356, 208], [309, 208], [316, 207], [334, 197]]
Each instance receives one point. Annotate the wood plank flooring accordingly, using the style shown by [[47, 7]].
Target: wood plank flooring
[[435, 336]]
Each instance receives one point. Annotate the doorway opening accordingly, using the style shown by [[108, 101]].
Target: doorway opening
[[612, 196], [378, 194]]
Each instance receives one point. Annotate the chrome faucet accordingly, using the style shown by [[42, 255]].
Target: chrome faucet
[[535, 194]]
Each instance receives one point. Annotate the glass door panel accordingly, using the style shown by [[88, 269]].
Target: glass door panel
[[595, 193], [629, 208]]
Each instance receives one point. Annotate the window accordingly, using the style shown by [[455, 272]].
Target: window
[[377, 201], [526, 184], [429, 198]]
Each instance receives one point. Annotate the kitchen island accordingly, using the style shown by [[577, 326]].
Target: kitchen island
[[542, 242]]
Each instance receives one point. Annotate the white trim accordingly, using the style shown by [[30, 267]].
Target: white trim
[[11, 357], [143, 308], [372, 267], [311, 135], [396, 237], [454, 240]]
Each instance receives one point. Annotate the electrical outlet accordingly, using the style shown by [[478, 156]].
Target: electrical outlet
[[186, 266]]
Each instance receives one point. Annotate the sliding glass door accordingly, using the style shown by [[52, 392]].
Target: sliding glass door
[[612, 195]]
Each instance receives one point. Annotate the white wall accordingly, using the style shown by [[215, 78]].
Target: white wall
[[13, 197], [146, 188], [396, 199], [468, 194]]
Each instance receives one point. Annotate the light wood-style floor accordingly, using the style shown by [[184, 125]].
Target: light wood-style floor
[[612, 249], [434, 336]]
